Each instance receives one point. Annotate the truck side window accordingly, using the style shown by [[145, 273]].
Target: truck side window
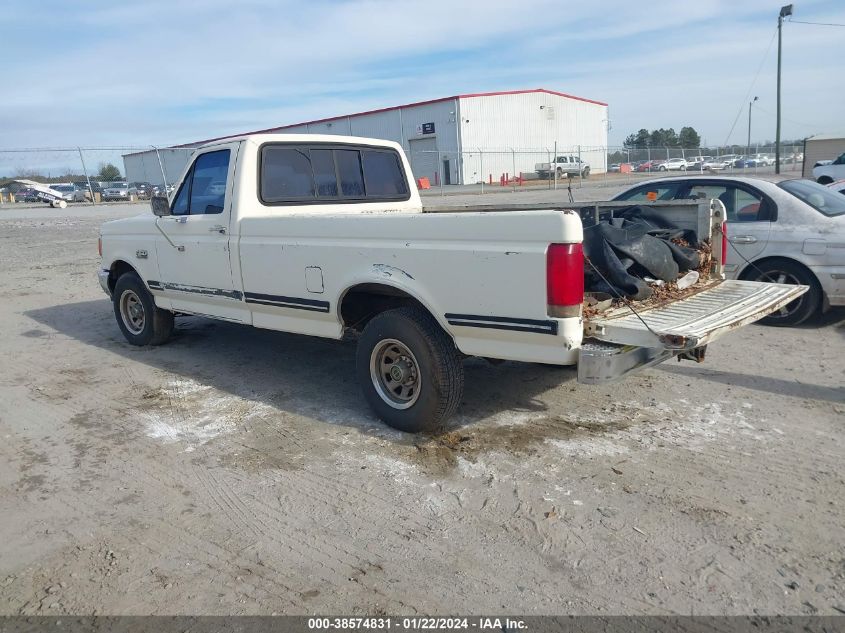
[[180, 203], [327, 173], [286, 174], [325, 176], [208, 183], [349, 170], [383, 174], [204, 189]]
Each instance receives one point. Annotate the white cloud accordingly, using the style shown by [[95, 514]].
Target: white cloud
[[177, 71]]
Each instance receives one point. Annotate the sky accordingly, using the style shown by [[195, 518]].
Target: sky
[[172, 71]]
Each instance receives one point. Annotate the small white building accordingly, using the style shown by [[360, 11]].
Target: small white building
[[461, 139], [821, 147]]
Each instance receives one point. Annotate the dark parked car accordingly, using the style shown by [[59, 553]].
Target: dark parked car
[[144, 189], [26, 195]]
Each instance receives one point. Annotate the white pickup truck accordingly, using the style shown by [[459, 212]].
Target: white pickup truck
[[563, 166], [326, 235]]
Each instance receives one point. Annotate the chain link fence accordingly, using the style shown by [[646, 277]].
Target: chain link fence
[[88, 171], [480, 170], [484, 170]]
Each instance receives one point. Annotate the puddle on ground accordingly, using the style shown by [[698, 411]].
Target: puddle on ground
[[438, 454]]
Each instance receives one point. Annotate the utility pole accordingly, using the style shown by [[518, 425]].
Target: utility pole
[[784, 12], [748, 145]]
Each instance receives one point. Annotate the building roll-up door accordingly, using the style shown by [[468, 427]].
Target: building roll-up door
[[423, 157]]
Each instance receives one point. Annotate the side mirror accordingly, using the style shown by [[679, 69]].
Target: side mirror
[[160, 205]]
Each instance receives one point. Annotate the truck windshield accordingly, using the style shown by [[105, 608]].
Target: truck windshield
[[823, 199]]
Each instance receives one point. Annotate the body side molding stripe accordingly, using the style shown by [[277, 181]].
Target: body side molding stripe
[[280, 301], [200, 290], [297, 303], [503, 323]]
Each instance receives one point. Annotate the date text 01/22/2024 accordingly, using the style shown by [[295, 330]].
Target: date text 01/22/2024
[[415, 623]]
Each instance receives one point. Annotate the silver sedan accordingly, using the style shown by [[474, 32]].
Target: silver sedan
[[791, 231]]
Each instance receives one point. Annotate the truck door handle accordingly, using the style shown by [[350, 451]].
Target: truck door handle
[[218, 228], [742, 239]]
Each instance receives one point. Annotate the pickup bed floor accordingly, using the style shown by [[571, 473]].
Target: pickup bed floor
[[695, 320]]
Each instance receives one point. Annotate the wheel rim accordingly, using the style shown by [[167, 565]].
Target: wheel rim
[[395, 374], [132, 311], [783, 277]]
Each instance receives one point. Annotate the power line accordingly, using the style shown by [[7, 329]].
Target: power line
[[751, 87], [816, 23]]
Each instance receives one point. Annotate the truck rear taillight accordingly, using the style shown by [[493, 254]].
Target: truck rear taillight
[[724, 242], [565, 279]]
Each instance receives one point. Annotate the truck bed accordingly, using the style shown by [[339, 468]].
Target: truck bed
[[718, 307]]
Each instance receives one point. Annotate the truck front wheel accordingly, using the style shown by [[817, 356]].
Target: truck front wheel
[[141, 322], [409, 370]]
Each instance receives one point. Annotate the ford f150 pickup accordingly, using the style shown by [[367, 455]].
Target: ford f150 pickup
[[326, 235]]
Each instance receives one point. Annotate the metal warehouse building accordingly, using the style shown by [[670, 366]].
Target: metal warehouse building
[[821, 147], [461, 139]]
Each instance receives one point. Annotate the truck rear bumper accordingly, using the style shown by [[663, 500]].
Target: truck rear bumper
[[600, 362]]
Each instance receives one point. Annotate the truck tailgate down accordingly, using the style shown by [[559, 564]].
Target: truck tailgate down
[[695, 320]]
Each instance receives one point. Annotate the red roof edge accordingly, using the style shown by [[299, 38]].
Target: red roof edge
[[398, 107]]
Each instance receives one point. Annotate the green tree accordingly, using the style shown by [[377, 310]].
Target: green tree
[[640, 139], [689, 138], [109, 172], [663, 138]]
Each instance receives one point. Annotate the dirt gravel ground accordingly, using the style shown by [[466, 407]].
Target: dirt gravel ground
[[239, 471]]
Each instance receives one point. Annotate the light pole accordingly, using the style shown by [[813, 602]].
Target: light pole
[[784, 12], [748, 145]]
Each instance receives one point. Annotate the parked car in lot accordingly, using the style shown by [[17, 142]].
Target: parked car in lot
[[830, 171], [563, 166], [144, 190], [715, 163], [161, 190], [648, 165], [760, 160], [697, 163], [673, 164], [26, 195], [70, 193], [327, 235], [614, 168], [118, 191], [83, 185], [790, 232], [838, 186]]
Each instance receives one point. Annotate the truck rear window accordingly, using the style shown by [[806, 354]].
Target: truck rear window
[[326, 174]]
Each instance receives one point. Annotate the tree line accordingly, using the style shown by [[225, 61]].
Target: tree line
[[687, 138], [107, 173]]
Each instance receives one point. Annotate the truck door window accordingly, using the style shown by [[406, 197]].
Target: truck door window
[[208, 183], [349, 170], [180, 204], [383, 174], [204, 188]]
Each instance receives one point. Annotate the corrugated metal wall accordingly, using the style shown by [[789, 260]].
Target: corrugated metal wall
[[530, 122], [495, 123], [144, 166], [403, 126], [821, 149]]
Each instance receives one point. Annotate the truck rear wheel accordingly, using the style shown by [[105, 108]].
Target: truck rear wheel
[[409, 370], [141, 322]]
